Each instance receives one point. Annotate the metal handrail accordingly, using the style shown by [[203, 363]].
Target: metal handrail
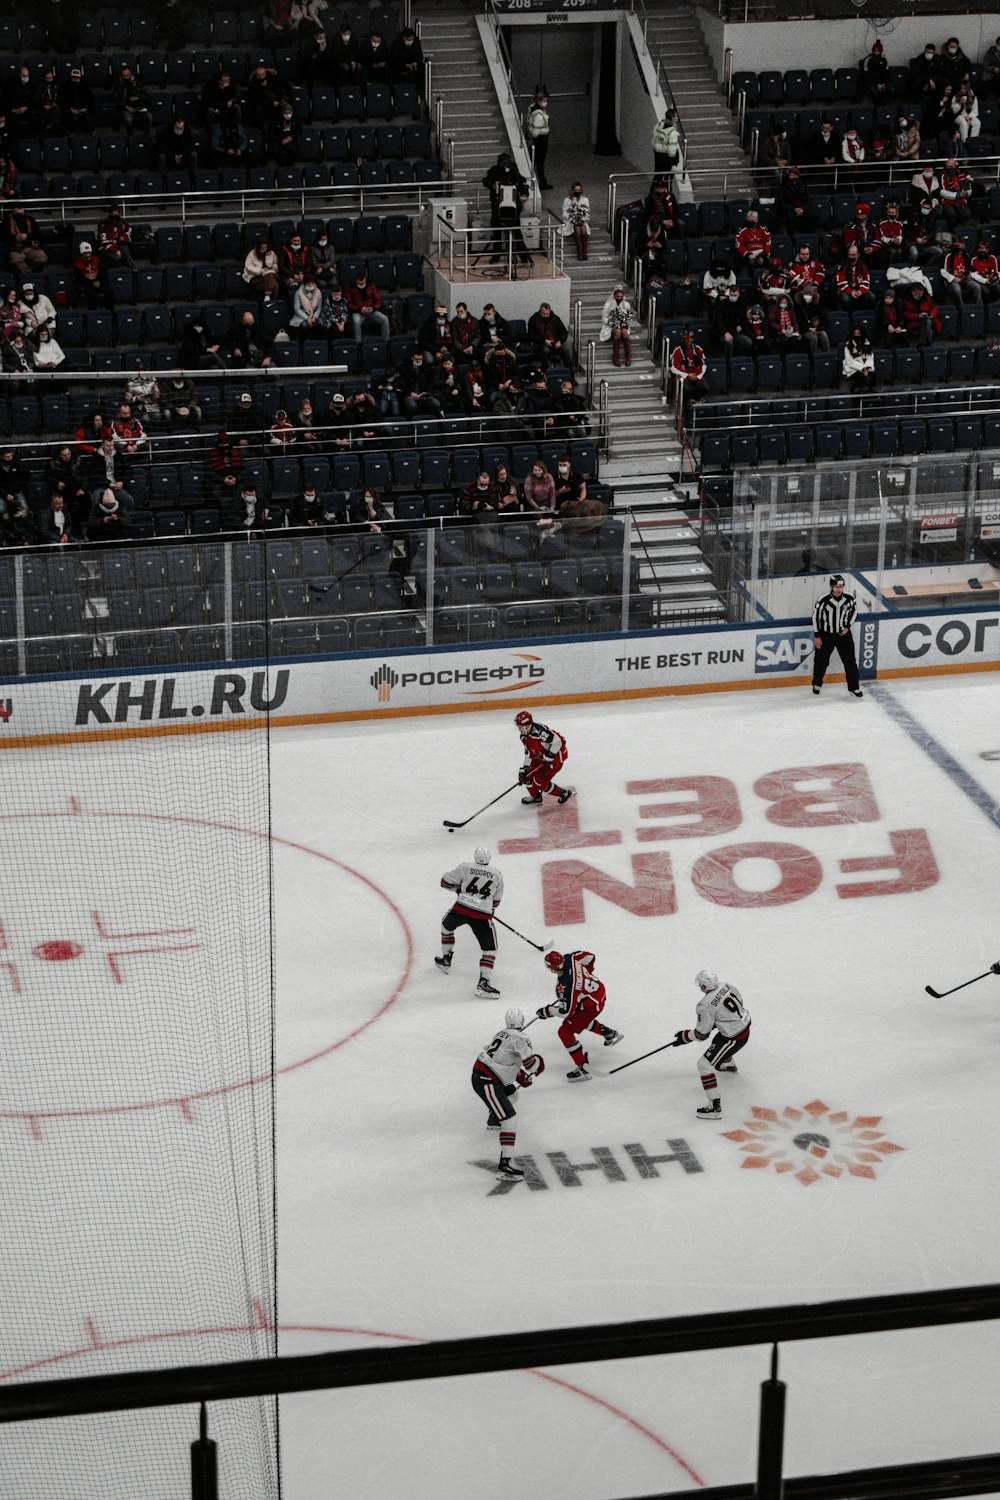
[[507, 73], [480, 241], [591, 363], [927, 402], [710, 182], [577, 333], [604, 420], [242, 202], [637, 7]]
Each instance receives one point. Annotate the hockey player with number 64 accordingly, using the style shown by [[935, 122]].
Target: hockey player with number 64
[[721, 1010], [545, 754], [505, 1064], [580, 998], [479, 890]]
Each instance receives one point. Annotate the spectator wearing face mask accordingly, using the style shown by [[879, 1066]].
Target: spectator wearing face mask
[[176, 148], [344, 56], [925, 74], [406, 58], [373, 56], [955, 66], [285, 136]]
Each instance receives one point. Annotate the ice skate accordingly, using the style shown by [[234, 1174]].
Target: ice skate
[[492, 1124], [856, 693], [444, 964], [815, 690], [727, 1068], [711, 1111], [507, 1173], [580, 1074], [565, 794], [612, 1037], [485, 988], [532, 800]]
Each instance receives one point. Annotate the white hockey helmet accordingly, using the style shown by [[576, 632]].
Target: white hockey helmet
[[706, 980], [483, 854], [514, 1019]]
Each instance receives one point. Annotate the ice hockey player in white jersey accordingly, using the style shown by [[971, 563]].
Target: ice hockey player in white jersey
[[505, 1064], [479, 891], [721, 1010]]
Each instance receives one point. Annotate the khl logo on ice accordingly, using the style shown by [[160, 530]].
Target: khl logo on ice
[[785, 651]]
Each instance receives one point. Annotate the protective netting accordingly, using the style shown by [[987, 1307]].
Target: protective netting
[[137, 1112]]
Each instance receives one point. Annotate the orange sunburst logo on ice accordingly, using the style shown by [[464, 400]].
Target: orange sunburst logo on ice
[[813, 1142]]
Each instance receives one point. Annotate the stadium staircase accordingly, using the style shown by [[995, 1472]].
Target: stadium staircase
[[712, 140], [461, 78]]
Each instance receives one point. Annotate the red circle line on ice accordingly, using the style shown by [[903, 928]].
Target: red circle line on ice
[[58, 950], [95, 1343]]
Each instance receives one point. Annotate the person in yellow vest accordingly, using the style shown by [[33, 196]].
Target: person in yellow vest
[[538, 134], [667, 143]]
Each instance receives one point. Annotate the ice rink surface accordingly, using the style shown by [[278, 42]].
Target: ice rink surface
[[828, 857]]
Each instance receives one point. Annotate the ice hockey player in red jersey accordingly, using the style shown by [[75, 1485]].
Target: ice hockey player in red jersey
[[720, 1009], [579, 1000], [544, 756], [479, 888], [505, 1064]]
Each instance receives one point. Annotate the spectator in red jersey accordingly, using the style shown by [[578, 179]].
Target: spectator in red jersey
[[920, 314], [853, 282], [225, 463], [986, 271], [688, 366], [753, 243], [364, 301], [960, 286], [114, 240]]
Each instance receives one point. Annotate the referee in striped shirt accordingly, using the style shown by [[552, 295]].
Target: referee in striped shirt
[[833, 616]]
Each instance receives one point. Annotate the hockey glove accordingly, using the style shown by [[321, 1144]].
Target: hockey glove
[[680, 1038], [995, 968], [530, 1070], [542, 1013], [522, 775]]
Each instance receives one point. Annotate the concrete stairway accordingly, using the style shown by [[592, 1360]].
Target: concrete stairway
[[713, 145], [460, 76]]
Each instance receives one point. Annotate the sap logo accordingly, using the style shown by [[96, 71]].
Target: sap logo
[[783, 653]]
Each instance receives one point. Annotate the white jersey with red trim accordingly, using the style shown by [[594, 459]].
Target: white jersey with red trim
[[479, 888], [505, 1054], [542, 744], [722, 1010]]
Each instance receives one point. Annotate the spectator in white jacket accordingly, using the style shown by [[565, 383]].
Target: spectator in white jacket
[[965, 108], [37, 310], [307, 304], [859, 362]]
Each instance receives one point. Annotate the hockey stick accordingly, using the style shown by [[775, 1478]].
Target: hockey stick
[[449, 824], [940, 994], [540, 946], [622, 1066]]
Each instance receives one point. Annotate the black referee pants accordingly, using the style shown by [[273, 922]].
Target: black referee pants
[[844, 647]]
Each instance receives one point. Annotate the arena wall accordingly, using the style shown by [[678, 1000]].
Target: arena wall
[[317, 690]]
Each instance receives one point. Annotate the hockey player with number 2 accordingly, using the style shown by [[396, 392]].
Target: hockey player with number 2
[[721, 1010], [505, 1064], [580, 998], [545, 754], [480, 891]]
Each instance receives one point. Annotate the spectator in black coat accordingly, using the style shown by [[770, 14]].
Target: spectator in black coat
[[373, 55], [406, 58], [198, 350], [176, 148], [76, 99], [54, 522], [109, 519], [344, 57]]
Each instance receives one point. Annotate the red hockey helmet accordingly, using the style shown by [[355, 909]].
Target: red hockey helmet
[[554, 961], [523, 720]]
